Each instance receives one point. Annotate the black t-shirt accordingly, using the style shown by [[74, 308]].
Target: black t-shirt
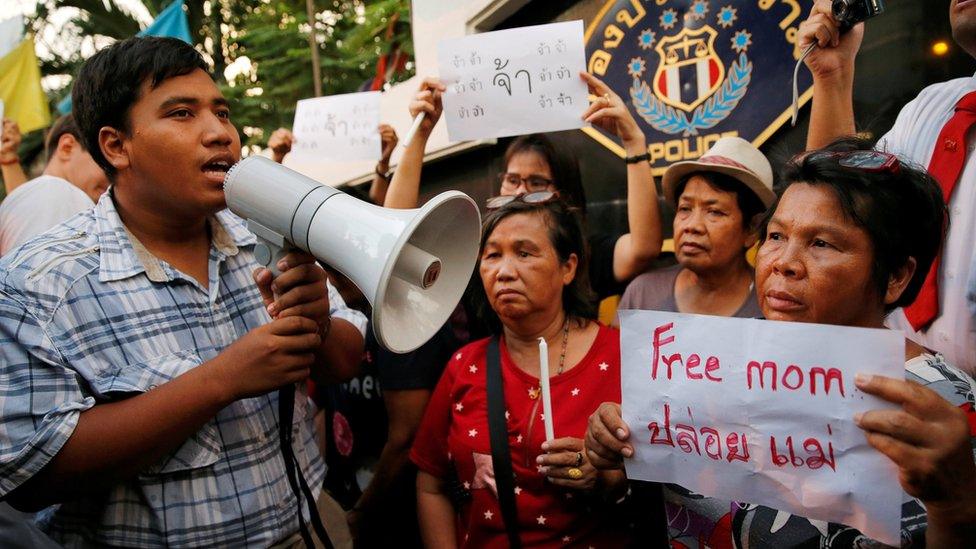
[[356, 418], [602, 280], [420, 369]]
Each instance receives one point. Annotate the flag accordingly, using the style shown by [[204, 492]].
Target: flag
[[20, 88], [170, 22]]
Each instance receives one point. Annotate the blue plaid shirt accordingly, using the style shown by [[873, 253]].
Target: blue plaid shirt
[[87, 316]]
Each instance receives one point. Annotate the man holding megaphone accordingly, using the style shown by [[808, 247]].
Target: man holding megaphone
[[140, 358]]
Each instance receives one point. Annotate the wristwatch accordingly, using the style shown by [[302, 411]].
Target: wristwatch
[[387, 175], [638, 158]]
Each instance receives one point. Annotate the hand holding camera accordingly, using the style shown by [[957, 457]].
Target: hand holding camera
[[835, 49], [830, 38]]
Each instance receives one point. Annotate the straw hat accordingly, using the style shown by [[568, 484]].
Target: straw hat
[[732, 156]]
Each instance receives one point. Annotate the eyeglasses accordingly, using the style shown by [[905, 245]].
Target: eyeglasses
[[533, 183], [542, 197], [866, 161]]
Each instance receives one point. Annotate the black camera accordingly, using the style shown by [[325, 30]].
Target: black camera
[[851, 12]]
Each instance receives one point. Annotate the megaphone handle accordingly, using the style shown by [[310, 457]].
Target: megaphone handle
[[268, 254]]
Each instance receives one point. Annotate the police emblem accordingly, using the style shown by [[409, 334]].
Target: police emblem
[[698, 70]]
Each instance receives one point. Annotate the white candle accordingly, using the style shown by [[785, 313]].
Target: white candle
[[544, 379]]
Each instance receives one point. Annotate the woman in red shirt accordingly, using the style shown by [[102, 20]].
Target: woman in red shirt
[[533, 265]]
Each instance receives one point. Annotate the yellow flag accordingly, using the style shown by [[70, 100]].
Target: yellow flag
[[20, 88]]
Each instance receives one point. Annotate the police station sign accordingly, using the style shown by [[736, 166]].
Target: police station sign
[[693, 71]]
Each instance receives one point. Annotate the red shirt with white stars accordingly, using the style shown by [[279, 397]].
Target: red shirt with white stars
[[454, 434]]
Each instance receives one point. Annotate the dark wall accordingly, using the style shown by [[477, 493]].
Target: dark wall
[[894, 64]]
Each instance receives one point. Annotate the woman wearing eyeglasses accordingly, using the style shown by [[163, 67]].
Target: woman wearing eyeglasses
[[850, 239], [533, 271], [533, 163]]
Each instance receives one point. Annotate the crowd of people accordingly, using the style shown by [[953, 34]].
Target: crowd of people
[[143, 350]]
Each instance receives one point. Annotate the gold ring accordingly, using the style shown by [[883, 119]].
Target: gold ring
[[575, 473]]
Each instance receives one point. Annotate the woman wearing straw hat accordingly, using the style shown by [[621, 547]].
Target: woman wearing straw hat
[[719, 200]]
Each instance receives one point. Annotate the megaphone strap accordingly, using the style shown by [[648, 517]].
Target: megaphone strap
[[299, 486]]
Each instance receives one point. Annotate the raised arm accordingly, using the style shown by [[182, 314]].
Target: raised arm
[[280, 143], [634, 251], [404, 189], [381, 181], [832, 65], [10, 168]]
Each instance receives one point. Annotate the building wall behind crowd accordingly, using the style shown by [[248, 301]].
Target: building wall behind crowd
[[895, 62]]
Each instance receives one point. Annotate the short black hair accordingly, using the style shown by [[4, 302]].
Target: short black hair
[[563, 165], [903, 211], [565, 231], [62, 126], [748, 201], [108, 83]]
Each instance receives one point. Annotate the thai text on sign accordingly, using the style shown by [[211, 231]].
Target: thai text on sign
[[514, 82], [338, 128], [761, 412]]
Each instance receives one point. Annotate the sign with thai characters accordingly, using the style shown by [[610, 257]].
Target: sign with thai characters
[[514, 81], [694, 71], [762, 413], [338, 128]]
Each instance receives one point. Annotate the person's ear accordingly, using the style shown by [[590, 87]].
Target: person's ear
[[569, 269], [751, 238], [752, 234], [113, 145], [898, 280], [66, 145]]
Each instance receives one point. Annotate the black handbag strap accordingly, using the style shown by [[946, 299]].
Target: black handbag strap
[[501, 458]]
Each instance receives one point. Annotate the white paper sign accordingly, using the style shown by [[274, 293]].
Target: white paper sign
[[338, 127], [761, 412], [514, 82]]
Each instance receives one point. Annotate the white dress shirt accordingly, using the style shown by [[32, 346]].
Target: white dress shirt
[[913, 138]]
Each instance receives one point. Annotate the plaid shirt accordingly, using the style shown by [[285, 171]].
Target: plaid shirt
[[88, 316]]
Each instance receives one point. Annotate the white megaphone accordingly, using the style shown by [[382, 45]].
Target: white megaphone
[[412, 265]]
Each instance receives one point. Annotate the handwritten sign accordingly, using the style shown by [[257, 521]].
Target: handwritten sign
[[513, 82], [338, 127], [761, 412]]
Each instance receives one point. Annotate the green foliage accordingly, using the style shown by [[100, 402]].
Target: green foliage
[[273, 35], [351, 37]]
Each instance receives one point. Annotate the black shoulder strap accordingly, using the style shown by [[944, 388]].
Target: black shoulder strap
[[501, 458]]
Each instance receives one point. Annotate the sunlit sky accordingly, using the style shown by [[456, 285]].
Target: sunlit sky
[[10, 8]]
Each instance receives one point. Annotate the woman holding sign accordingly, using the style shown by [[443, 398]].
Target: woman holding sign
[[850, 239], [535, 492], [533, 163]]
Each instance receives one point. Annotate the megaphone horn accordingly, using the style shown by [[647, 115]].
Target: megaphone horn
[[412, 265]]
